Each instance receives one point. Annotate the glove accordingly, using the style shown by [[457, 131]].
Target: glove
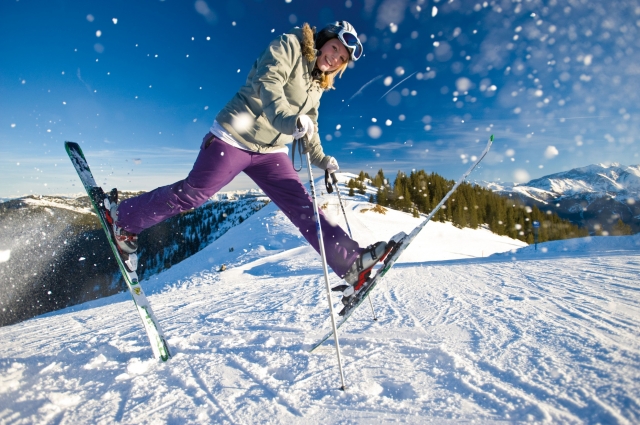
[[332, 165], [305, 127]]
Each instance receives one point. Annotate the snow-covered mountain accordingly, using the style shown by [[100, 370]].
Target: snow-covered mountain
[[541, 336], [595, 196]]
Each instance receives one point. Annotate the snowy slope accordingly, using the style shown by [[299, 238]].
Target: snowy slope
[[529, 336]]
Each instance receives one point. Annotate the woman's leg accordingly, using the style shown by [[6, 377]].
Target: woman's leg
[[275, 175], [217, 164]]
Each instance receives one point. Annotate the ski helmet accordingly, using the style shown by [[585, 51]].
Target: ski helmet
[[346, 33]]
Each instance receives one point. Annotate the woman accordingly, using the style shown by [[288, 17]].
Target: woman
[[277, 104]]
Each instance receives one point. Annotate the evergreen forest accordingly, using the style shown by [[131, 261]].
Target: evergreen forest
[[470, 206]]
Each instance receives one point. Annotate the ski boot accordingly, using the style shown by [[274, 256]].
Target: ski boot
[[360, 270], [126, 242]]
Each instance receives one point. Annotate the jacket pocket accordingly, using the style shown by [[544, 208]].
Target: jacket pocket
[[207, 140]]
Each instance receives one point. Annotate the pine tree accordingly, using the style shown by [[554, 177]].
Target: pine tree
[[473, 212], [621, 229], [510, 222], [382, 197], [380, 176], [406, 203], [460, 213], [362, 188]]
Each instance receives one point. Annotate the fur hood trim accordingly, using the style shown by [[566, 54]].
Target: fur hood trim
[[308, 43]]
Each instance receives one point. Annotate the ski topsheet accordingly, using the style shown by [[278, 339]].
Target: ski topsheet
[[401, 241], [96, 196]]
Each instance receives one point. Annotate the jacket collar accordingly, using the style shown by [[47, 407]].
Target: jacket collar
[[307, 46], [307, 42]]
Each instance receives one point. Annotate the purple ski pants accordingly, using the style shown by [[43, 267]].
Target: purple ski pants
[[217, 164]]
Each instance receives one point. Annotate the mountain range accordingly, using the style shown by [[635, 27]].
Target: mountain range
[[595, 196]]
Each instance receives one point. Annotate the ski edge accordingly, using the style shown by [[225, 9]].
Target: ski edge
[[406, 241]]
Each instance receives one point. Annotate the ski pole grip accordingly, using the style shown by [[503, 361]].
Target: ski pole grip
[[334, 179], [304, 145]]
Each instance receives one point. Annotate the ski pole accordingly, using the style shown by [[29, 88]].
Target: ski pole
[[324, 267], [334, 180]]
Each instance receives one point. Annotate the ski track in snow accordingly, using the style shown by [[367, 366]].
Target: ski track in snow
[[550, 338]]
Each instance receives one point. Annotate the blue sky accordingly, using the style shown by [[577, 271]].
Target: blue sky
[[137, 84]]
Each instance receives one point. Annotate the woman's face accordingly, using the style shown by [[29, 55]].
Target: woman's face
[[332, 55]]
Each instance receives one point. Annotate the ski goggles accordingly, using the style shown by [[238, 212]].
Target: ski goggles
[[351, 42]]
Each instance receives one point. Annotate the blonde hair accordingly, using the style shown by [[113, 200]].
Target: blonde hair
[[326, 78]]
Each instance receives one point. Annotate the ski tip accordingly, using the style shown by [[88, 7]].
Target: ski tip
[[71, 145], [491, 138]]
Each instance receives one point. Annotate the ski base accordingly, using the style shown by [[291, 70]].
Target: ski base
[[97, 197]]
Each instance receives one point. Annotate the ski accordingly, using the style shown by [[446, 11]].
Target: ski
[[399, 243], [97, 197]]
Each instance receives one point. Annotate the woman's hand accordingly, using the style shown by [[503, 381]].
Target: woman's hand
[[305, 126], [332, 165]]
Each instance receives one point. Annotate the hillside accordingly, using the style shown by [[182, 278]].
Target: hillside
[[462, 336], [55, 253], [470, 206]]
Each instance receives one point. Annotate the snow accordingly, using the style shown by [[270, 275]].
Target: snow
[[600, 179], [5, 255], [471, 327]]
